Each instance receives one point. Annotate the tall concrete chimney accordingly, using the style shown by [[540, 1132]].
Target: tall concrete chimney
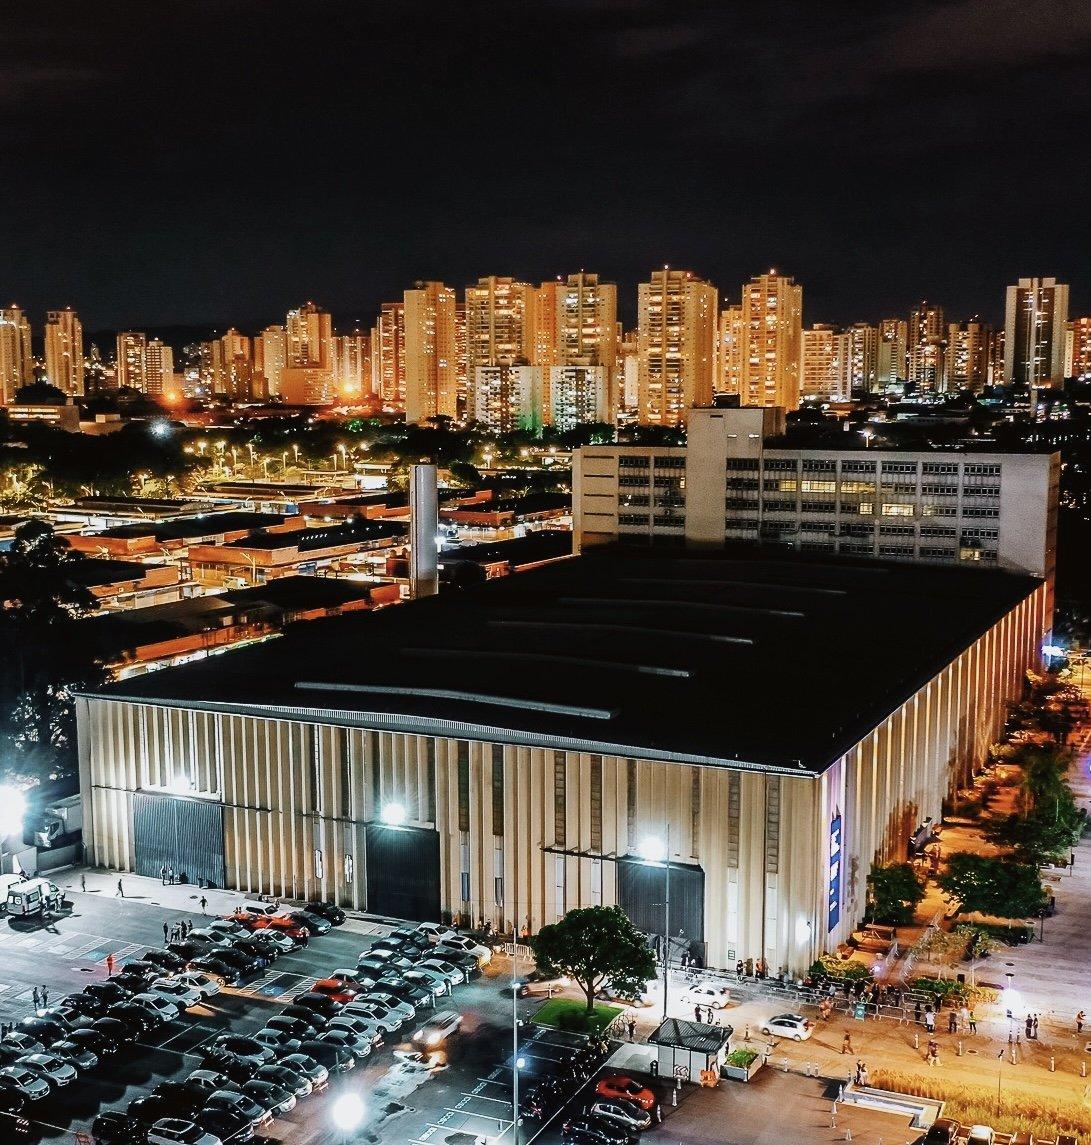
[[423, 527]]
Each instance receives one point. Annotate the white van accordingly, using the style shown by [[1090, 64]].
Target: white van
[[6, 883], [33, 896]]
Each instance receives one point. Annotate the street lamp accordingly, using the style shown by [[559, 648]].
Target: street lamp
[[348, 1112], [655, 851], [393, 814]]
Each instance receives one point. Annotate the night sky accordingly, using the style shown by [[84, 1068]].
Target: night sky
[[217, 161]]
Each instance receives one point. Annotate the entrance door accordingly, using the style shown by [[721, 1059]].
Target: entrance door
[[185, 834], [402, 875], [642, 895]]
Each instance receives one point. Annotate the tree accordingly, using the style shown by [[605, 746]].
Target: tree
[[997, 887], [895, 892], [594, 945]]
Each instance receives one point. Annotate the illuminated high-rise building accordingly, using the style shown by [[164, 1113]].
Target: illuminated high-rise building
[[16, 362], [431, 352], [499, 329], [388, 356], [228, 367], [772, 326], [676, 326], [863, 358], [509, 397], [64, 351], [462, 369], [969, 345], [351, 360], [1077, 349], [627, 374], [308, 331], [158, 369], [132, 348], [927, 348], [893, 353], [1034, 332], [825, 362], [271, 357], [729, 351]]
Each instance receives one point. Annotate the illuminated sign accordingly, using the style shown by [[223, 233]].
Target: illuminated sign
[[834, 905]]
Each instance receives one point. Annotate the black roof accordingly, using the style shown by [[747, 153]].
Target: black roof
[[697, 1036], [541, 545], [734, 657], [97, 571], [306, 540], [199, 525]]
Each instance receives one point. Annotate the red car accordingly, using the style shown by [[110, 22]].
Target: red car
[[335, 989], [625, 1089], [278, 922]]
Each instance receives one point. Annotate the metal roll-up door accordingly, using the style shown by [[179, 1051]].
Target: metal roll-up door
[[642, 893], [186, 835], [403, 872]]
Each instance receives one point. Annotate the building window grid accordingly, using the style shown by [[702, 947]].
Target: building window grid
[[772, 825], [596, 803], [560, 799], [497, 789], [734, 806], [463, 785]]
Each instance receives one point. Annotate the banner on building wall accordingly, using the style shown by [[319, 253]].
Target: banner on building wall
[[834, 913]]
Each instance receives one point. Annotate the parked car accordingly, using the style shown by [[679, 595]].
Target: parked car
[[707, 994], [150, 1109], [261, 954], [26, 1082], [467, 963], [107, 992], [405, 1010], [285, 925], [401, 987], [943, 1131], [243, 1047], [228, 926], [244, 964], [86, 1004], [452, 974], [242, 1105], [221, 972], [223, 1061], [317, 1002], [179, 1097], [136, 1020], [294, 1081], [374, 1011], [335, 989], [585, 1130], [20, 1043], [314, 1071], [793, 1026], [336, 1059], [314, 923], [179, 1131], [209, 937], [277, 1041], [371, 966], [77, 1056], [229, 1127], [438, 1028], [314, 1020], [359, 1047], [269, 1095], [178, 993], [360, 1027], [625, 1115], [434, 931], [112, 1030], [146, 970], [44, 1030], [292, 1027], [464, 945], [622, 1088], [327, 910], [198, 981], [93, 1042], [69, 1017], [205, 1081], [115, 1128], [162, 1008], [168, 962], [430, 981]]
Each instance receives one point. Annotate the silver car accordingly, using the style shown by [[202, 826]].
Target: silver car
[[25, 1081], [625, 1115], [54, 1069]]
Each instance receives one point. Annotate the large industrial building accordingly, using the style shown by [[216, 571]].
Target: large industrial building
[[768, 725]]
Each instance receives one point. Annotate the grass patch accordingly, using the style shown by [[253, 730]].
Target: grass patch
[[976, 1105], [742, 1059], [566, 1014]]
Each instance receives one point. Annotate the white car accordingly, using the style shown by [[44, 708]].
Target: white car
[[213, 937], [54, 1069], [198, 981], [466, 945], [434, 931], [278, 1041], [384, 1018], [427, 980], [438, 1028], [706, 994], [180, 993], [175, 1131], [25, 1081], [452, 974], [793, 1026], [362, 1027], [163, 1010], [405, 1010]]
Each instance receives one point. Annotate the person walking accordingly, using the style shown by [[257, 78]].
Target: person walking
[[45, 997], [933, 1052], [120, 890], [36, 999], [929, 1020], [109, 966], [166, 931], [972, 1021], [696, 1013], [846, 1044], [1030, 1027], [917, 1011], [1034, 1028], [1080, 1019], [952, 1022], [632, 1027], [83, 883], [163, 876], [204, 903]]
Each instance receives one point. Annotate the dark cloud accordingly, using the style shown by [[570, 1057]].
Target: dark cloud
[[217, 160]]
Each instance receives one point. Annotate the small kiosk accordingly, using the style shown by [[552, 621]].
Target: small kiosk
[[686, 1050]]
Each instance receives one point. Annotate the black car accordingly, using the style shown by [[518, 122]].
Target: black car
[[141, 966], [243, 963], [236, 1068], [467, 963], [166, 960], [316, 1022], [116, 1128], [229, 1127], [11, 1103], [293, 1027], [327, 910], [86, 1004], [71, 1018], [45, 1030], [327, 1007], [182, 1099], [295, 1083], [135, 1018], [216, 968], [187, 951], [315, 923], [397, 986], [587, 1130], [133, 983], [336, 1059], [112, 1030], [942, 1131], [148, 1110], [108, 992], [260, 956], [93, 1040]]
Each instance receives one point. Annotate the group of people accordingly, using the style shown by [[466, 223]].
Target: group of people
[[169, 879], [751, 968], [705, 1014], [179, 932], [861, 1074]]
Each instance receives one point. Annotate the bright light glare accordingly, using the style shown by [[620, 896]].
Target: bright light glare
[[181, 785], [13, 806], [348, 1112], [394, 814], [520, 1063], [653, 849]]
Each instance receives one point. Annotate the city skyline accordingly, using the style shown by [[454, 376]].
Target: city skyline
[[798, 140]]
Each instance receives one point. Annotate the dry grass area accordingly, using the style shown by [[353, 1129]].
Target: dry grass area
[[977, 1104]]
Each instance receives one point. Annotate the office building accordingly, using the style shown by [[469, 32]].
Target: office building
[[969, 347], [308, 331], [771, 331], [505, 759], [159, 370], [1034, 332], [388, 356], [16, 360], [64, 351], [893, 353], [271, 357], [499, 328], [825, 359], [736, 480], [431, 353], [131, 364], [676, 328], [1077, 349], [927, 349]]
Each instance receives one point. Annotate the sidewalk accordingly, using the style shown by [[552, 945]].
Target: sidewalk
[[180, 896]]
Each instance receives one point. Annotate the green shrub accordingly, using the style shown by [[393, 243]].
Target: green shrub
[[1009, 935], [742, 1059]]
